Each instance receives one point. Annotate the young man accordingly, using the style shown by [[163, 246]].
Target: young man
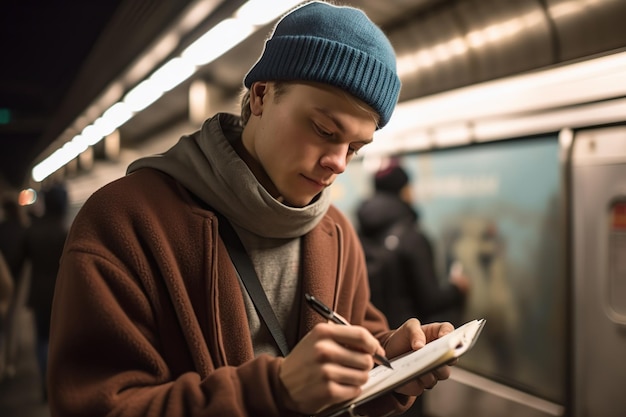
[[150, 317]]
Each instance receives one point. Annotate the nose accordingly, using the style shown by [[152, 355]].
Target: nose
[[336, 158]]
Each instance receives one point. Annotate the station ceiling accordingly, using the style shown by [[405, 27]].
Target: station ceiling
[[58, 58]]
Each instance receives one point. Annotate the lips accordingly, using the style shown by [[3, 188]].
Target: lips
[[321, 182]]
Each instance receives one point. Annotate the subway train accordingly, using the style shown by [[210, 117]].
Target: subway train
[[512, 126]]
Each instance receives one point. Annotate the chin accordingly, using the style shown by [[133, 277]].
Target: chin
[[297, 202]]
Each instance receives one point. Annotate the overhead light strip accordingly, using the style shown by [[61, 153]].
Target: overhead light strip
[[227, 34], [523, 104]]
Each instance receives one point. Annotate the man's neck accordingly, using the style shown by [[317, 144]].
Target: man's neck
[[254, 165]]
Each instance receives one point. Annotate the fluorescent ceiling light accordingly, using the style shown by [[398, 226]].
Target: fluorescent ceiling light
[[144, 94], [116, 115], [222, 37], [586, 81], [91, 135], [261, 12], [574, 95], [172, 73]]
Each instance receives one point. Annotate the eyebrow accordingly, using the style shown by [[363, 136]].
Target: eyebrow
[[338, 123]]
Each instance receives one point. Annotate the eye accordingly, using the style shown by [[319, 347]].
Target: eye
[[321, 131], [355, 148]]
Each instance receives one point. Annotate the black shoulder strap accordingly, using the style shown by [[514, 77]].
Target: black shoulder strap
[[250, 280]]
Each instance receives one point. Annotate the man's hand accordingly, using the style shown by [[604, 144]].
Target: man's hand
[[329, 365]]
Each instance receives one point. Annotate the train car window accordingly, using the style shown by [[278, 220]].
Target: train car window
[[616, 288]]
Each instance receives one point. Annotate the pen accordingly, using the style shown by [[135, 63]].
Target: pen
[[326, 312]]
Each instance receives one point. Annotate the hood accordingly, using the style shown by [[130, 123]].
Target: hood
[[377, 214], [206, 163]]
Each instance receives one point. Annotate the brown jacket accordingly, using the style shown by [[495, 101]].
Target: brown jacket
[[149, 319]]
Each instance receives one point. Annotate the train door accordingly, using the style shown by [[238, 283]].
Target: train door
[[598, 187]]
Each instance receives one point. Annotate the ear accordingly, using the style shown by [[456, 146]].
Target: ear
[[258, 92]]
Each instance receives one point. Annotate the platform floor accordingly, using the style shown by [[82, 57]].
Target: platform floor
[[20, 391]]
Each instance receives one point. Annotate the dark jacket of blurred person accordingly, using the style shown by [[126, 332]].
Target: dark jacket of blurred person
[[6, 295], [12, 245], [6, 291], [44, 245], [13, 236], [388, 217]]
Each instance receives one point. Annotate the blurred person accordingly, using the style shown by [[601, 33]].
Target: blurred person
[[150, 317], [13, 234], [389, 219], [6, 295], [480, 246], [12, 245], [44, 244], [400, 258], [6, 288]]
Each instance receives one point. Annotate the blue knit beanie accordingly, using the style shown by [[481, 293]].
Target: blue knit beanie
[[335, 45]]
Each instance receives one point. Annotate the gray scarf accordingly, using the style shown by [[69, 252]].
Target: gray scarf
[[207, 164]]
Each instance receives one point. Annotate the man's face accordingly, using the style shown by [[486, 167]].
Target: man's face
[[303, 138]]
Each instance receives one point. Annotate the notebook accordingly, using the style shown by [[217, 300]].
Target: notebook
[[412, 365]]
